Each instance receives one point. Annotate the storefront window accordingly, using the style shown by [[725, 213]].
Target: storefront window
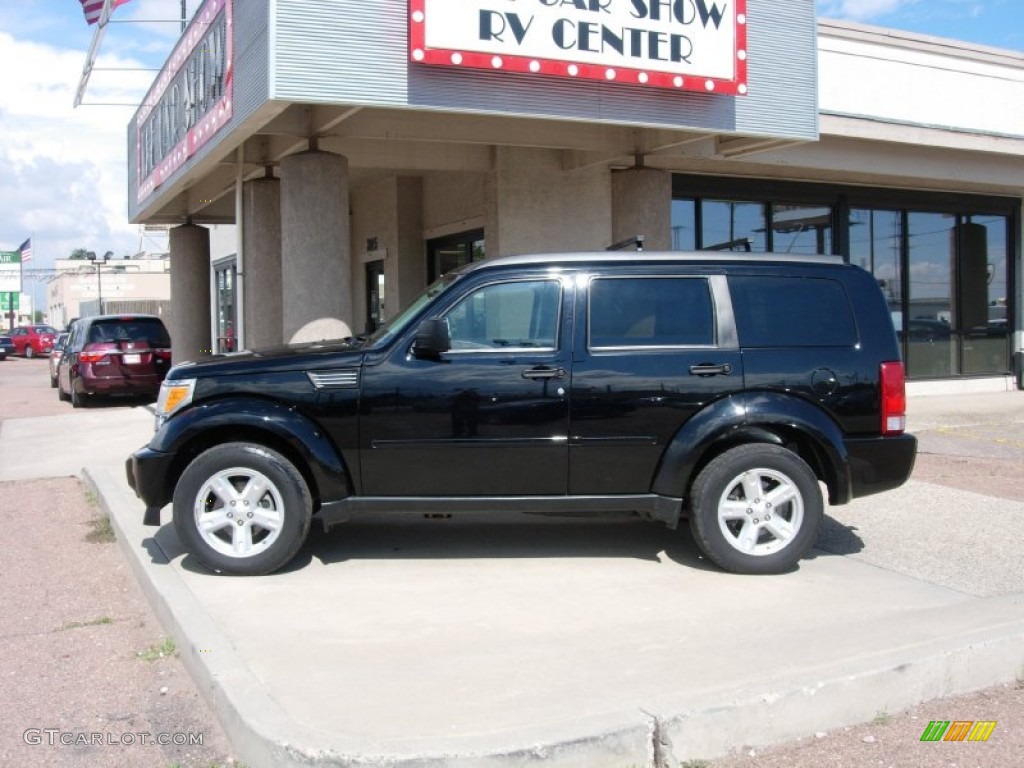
[[943, 261], [930, 310], [875, 238], [983, 271], [801, 229], [684, 225], [730, 225]]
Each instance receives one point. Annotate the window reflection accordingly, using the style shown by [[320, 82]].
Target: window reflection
[[944, 273], [729, 225], [801, 229]]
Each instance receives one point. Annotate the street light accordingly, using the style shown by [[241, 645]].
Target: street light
[[91, 255]]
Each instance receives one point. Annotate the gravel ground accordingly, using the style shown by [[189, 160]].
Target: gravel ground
[[77, 623]]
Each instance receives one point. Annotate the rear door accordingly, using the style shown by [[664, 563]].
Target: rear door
[[134, 347], [654, 348]]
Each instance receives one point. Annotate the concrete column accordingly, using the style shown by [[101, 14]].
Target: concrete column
[[642, 205], [261, 244], [316, 258], [189, 321], [409, 270], [534, 206]]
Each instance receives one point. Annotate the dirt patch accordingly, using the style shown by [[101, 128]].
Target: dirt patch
[[90, 676]]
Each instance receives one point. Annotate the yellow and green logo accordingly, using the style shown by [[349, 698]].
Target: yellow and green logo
[[958, 730]]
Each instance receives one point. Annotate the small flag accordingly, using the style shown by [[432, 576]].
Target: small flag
[[25, 249], [94, 8]]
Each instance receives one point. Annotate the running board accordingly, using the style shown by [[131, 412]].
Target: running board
[[664, 508]]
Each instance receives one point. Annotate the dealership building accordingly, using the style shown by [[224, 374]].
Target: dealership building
[[360, 149]]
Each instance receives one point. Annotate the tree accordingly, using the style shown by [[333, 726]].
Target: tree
[[79, 253]]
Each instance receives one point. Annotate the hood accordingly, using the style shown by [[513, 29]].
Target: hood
[[317, 355]]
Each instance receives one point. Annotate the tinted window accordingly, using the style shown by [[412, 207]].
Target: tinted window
[[137, 330], [792, 312], [504, 315], [650, 312]]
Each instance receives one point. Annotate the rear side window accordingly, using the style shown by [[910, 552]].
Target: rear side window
[[792, 312], [148, 330], [651, 312]]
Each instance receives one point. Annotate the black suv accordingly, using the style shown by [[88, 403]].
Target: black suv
[[720, 389]]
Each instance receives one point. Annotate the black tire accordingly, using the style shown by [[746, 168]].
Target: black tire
[[53, 382], [284, 501], [767, 534], [61, 394], [78, 400]]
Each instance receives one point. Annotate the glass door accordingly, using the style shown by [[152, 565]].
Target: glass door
[[374, 295], [225, 279], [446, 253]]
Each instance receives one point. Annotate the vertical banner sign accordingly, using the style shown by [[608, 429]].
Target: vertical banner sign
[[190, 101], [693, 45], [10, 271]]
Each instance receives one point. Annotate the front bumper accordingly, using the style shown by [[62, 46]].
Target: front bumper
[[147, 472]]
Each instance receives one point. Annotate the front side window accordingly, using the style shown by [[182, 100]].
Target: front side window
[[650, 312], [502, 316]]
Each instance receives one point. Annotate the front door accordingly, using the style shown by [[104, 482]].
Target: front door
[[489, 413]]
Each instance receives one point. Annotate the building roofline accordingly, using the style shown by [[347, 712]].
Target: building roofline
[[852, 30]]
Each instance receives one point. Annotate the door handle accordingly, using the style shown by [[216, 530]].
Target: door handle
[[544, 373], [710, 369]]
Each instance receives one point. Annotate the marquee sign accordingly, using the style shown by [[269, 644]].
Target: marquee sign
[[190, 101], [696, 45]]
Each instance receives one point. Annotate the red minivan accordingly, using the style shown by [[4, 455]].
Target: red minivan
[[114, 355]]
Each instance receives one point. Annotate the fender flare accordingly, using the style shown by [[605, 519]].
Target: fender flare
[[324, 465], [755, 417]]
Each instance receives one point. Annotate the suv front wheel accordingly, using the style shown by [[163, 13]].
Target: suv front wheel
[[242, 508], [756, 509]]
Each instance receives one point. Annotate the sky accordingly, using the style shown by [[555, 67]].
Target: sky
[[65, 167]]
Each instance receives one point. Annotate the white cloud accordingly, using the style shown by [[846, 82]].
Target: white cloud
[[860, 10], [65, 168]]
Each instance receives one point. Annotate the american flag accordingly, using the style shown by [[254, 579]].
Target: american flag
[[93, 8], [25, 249]]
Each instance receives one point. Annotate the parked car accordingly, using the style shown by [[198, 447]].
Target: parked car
[[32, 340], [716, 388], [6, 347], [55, 354], [113, 355]]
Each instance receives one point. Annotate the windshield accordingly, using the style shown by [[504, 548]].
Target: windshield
[[395, 325]]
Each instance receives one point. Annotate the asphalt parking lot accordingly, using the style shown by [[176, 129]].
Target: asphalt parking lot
[[457, 642]]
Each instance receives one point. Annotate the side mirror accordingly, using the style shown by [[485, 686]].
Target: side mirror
[[432, 338]]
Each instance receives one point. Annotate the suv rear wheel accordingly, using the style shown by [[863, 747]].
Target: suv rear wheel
[[756, 509], [242, 508]]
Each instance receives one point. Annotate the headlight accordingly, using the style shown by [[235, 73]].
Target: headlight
[[174, 395]]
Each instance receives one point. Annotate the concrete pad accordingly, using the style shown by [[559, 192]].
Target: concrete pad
[[57, 446], [411, 642]]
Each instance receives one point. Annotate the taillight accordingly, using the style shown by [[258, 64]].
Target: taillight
[[894, 399], [95, 353]]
